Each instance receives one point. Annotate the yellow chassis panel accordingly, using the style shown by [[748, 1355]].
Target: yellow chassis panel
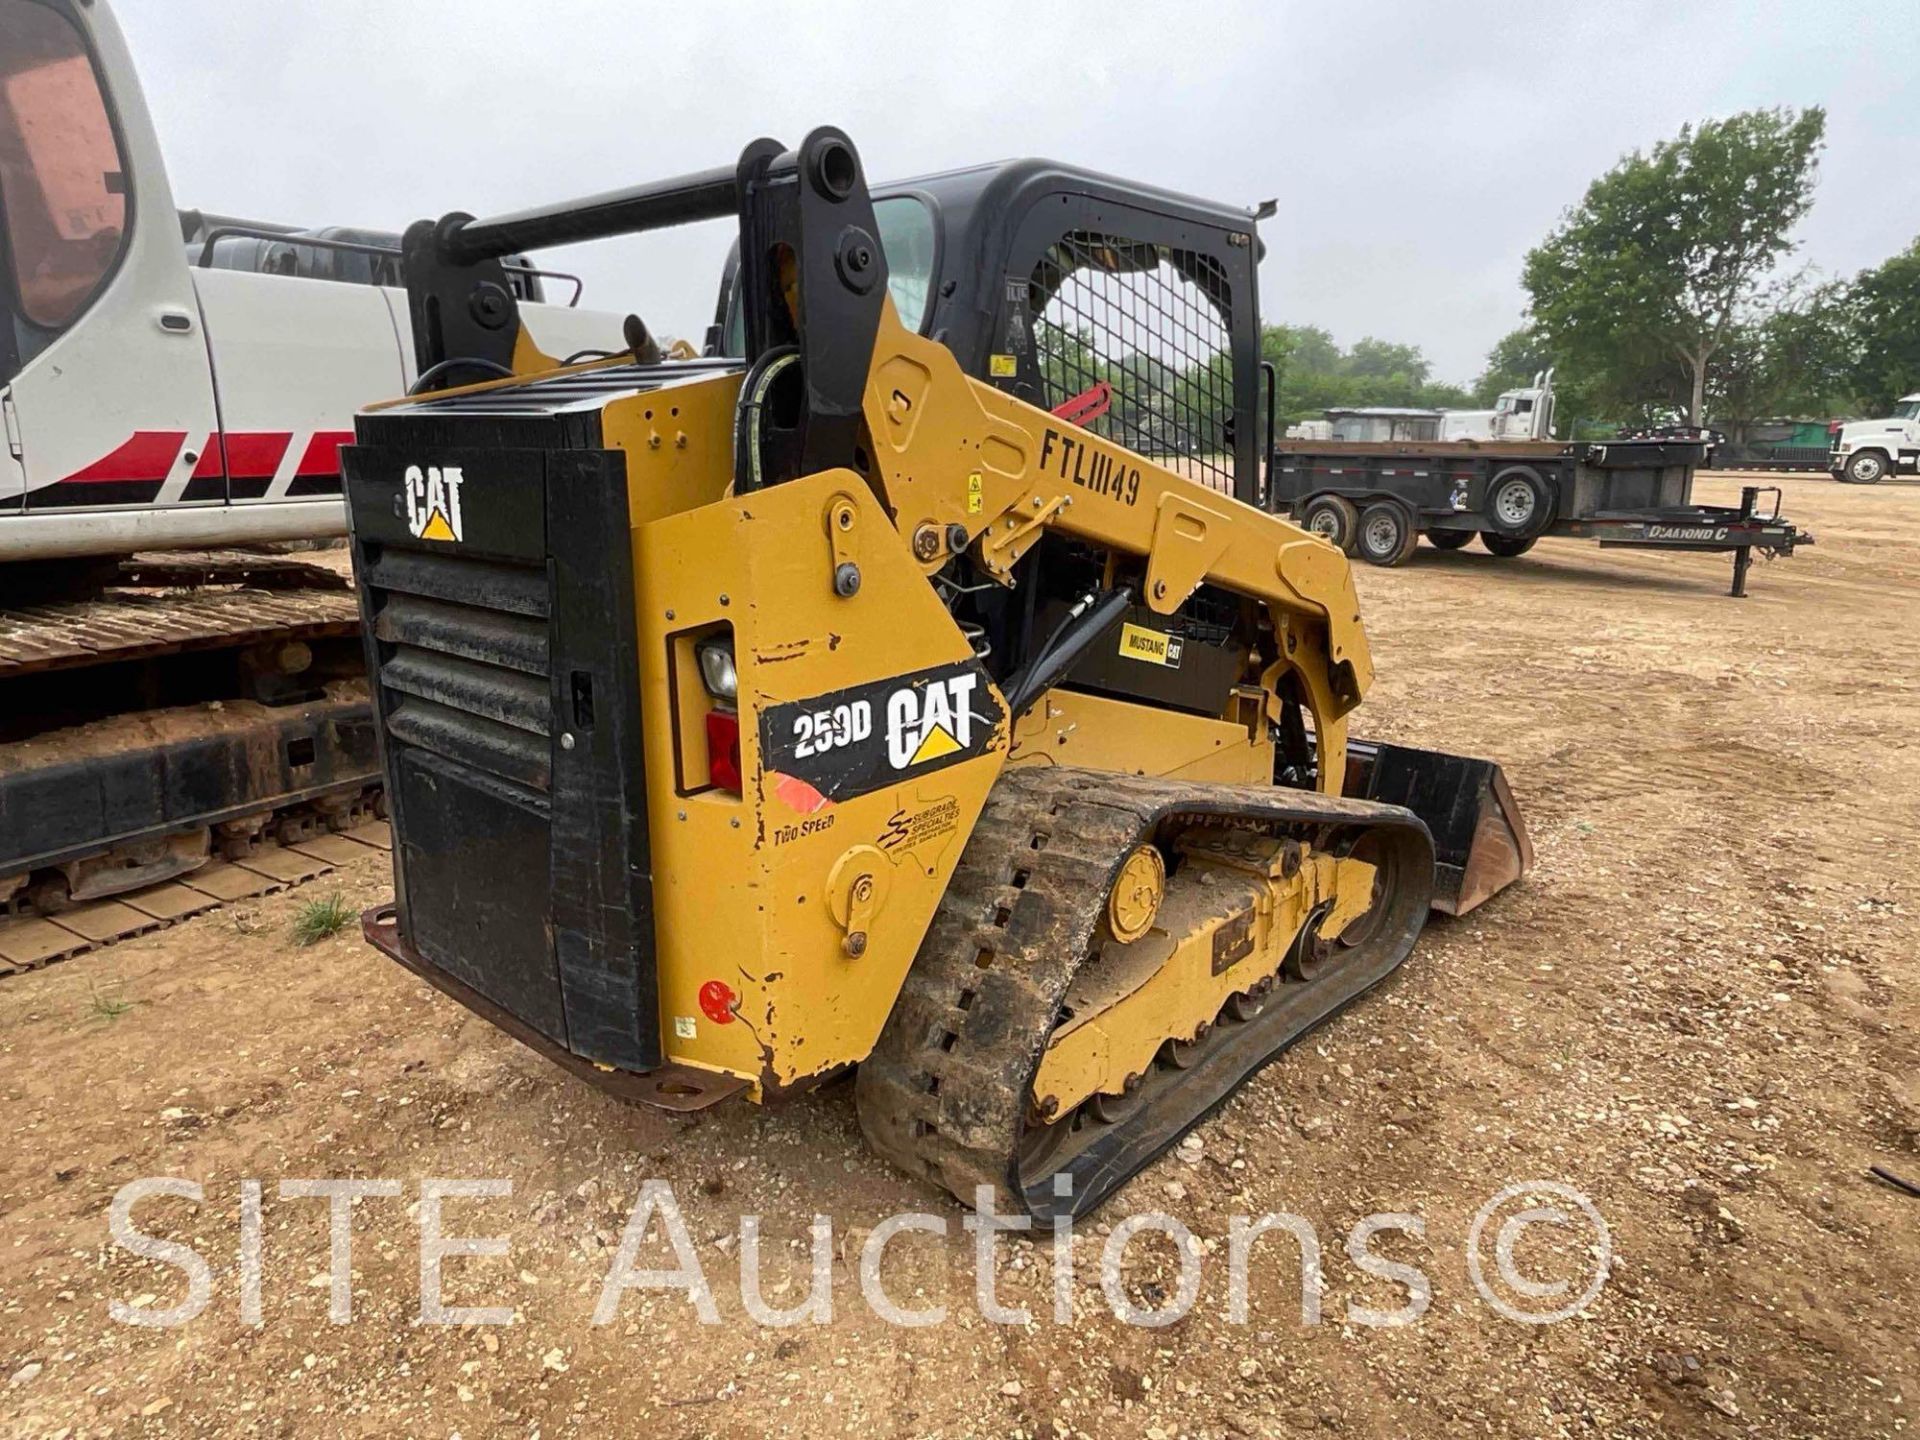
[[1098, 733], [755, 893]]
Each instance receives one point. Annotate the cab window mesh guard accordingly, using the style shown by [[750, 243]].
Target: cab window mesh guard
[[1151, 322]]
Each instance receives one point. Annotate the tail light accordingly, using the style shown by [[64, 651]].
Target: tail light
[[722, 684], [723, 749]]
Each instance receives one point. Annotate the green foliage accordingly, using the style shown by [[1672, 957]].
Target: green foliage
[[1317, 375], [1382, 360], [106, 1007], [1303, 349], [1794, 361], [317, 919], [1884, 308], [1671, 253]]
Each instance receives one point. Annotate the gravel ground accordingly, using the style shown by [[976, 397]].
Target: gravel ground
[[1698, 1011]]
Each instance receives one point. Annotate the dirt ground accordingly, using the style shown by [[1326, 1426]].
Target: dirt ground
[[1699, 1011]]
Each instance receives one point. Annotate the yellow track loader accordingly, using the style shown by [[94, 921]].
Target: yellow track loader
[[912, 683]]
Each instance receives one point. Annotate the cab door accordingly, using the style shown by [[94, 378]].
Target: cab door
[[109, 392]]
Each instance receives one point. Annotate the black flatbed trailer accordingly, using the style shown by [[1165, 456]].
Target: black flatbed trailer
[[1376, 499]]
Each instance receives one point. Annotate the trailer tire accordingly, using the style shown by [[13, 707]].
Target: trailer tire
[[1387, 534], [1865, 467], [1449, 539], [1519, 504], [1333, 519], [1505, 546]]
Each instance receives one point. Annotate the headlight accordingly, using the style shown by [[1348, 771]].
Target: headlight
[[716, 670]]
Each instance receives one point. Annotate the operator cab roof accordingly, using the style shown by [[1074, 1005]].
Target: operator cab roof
[[1002, 184], [979, 214]]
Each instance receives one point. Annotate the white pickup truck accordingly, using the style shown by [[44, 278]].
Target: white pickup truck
[[1867, 451]]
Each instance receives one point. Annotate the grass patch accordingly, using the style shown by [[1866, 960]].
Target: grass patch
[[317, 919], [106, 1008]]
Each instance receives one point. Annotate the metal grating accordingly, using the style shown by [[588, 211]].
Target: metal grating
[[1150, 323]]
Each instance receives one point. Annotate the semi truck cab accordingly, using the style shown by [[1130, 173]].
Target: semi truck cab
[[1522, 414], [1867, 451]]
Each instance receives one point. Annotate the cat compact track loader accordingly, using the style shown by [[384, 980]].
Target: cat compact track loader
[[911, 683]]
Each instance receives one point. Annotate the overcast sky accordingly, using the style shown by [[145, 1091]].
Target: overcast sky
[[1417, 149]]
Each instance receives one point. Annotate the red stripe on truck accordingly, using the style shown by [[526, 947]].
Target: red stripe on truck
[[146, 455], [323, 452], [255, 455], [248, 455]]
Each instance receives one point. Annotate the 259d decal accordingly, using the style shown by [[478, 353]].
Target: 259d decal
[[857, 740]]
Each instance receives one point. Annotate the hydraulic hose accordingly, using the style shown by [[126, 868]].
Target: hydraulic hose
[[748, 473], [1086, 623]]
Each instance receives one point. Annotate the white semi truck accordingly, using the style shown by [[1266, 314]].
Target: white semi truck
[[174, 379], [1865, 452], [1522, 414]]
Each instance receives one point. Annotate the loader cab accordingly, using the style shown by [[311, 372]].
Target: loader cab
[[1129, 310]]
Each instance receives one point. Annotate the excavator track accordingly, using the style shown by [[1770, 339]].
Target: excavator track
[[159, 711], [948, 1092], [166, 604], [308, 848]]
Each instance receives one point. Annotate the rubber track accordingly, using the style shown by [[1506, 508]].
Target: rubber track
[[945, 1093]]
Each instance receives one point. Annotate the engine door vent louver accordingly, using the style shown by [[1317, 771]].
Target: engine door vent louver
[[464, 662]]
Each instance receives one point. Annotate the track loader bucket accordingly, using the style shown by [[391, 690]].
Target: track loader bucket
[[1480, 843]]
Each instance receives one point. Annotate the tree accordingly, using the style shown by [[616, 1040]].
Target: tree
[[1304, 349], [1885, 312], [1381, 359], [1671, 252], [1515, 359], [1795, 361], [1316, 374]]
